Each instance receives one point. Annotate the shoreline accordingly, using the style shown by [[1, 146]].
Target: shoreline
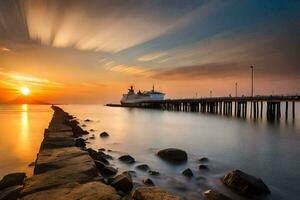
[[66, 169]]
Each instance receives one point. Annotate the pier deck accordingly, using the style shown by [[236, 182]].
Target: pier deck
[[237, 106]]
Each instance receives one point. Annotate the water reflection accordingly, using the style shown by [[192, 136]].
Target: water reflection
[[24, 129]]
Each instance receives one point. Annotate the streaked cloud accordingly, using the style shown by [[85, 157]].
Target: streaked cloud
[[132, 70], [152, 56]]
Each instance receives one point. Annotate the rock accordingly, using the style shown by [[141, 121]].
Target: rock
[[71, 174], [31, 164], [203, 167], [80, 142], [109, 150], [109, 157], [245, 184], [152, 193], [53, 140], [153, 173], [123, 182], [101, 149], [92, 130], [92, 137], [203, 159], [87, 120], [83, 125], [173, 155], [214, 195], [11, 193], [127, 159], [100, 165], [108, 171], [143, 167], [104, 134], [148, 182], [12, 180], [188, 173], [87, 191]]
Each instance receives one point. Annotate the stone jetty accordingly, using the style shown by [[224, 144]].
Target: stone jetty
[[66, 169]]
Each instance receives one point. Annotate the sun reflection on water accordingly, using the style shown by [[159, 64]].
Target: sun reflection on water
[[24, 129]]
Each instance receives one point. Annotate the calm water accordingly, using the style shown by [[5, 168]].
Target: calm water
[[269, 151], [21, 133]]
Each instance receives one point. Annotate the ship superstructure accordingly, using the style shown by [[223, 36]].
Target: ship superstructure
[[132, 98]]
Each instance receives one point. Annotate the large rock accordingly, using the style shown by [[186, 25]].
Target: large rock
[[80, 142], [12, 180], [72, 174], [173, 155], [58, 158], [245, 184], [123, 182], [214, 195], [11, 193], [57, 140], [88, 191], [152, 193], [108, 171], [127, 159]]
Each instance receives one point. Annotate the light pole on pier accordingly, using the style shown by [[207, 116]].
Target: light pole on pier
[[236, 85], [252, 72]]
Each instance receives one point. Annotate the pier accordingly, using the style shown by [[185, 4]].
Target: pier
[[229, 106]]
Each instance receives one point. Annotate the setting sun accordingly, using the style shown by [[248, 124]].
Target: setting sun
[[25, 91]]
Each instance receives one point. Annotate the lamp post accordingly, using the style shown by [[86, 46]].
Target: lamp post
[[252, 69], [236, 90]]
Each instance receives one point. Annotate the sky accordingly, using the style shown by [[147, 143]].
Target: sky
[[91, 51]]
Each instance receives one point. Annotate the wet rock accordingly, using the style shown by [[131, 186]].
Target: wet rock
[[12, 180], [87, 120], [101, 149], [152, 193], [102, 159], [153, 173], [104, 134], [31, 164], [88, 191], [203, 159], [109, 157], [109, 150], [80, 142], [11, 193], [148, 182], [203, 167], [100, 165], [188, 173], [214, 195], [92, 130], [245, 184], [108, 171], [123, 182], [83, 125], [143, 167], [127, 159], [173, 155]]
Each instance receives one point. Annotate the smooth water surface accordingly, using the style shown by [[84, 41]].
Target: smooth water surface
[[267, 150], [21, 132]]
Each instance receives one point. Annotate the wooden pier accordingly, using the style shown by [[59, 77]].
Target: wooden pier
[[230, 106]]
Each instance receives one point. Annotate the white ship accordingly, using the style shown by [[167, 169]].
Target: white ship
[[132, 98]]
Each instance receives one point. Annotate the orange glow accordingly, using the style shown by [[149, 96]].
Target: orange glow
[[25, 91]]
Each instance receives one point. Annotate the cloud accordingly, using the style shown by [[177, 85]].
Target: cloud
[[109, 26], [15, 80], [152, 56], [132, 70]]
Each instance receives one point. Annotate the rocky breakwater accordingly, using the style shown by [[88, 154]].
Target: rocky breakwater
[[66, 169]]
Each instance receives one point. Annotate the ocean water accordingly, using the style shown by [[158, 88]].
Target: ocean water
[[21, 132], [267, 150]]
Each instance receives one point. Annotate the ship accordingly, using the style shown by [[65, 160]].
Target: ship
[[132, 98]]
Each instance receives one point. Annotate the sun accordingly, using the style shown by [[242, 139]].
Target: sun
[[25, 91]]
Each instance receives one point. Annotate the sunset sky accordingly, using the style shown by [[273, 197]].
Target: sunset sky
[[91, 51]]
